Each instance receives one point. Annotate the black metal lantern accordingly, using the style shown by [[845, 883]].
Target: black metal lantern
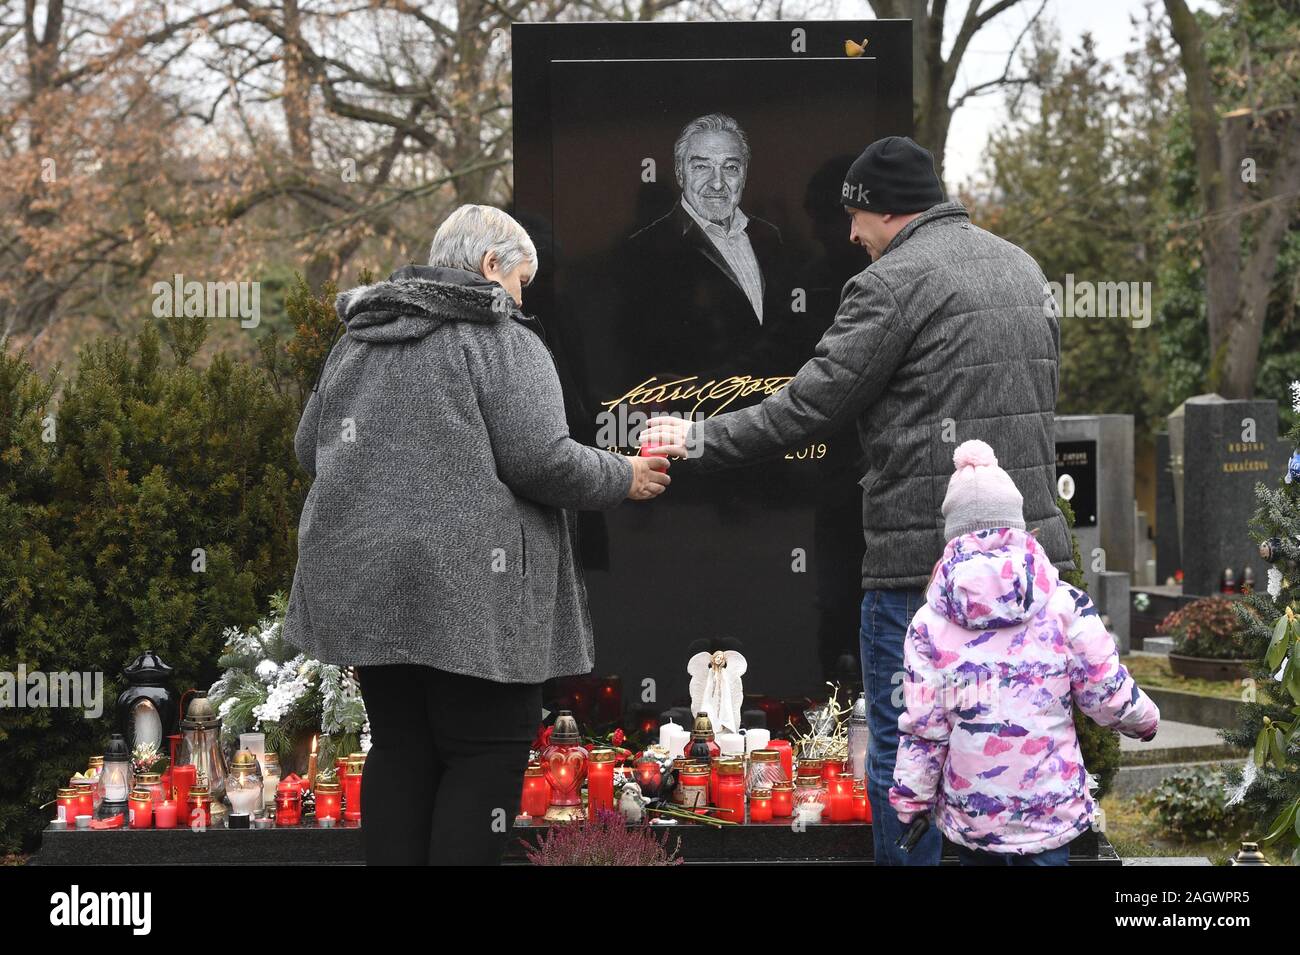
[[146, 710]]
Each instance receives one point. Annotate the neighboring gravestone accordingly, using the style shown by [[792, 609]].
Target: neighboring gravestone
[[1219, 451], [1113, 600], [1168, 554], [1094, 472]]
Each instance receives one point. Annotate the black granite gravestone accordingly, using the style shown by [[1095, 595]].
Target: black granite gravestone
[[642, 317], [1228, 447]]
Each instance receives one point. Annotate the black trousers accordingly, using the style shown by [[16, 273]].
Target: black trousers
[[445, 767]]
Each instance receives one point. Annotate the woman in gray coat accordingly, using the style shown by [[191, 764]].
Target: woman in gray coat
[[435, 550]]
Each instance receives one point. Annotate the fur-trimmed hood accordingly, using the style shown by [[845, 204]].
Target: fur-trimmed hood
[[417, 299]]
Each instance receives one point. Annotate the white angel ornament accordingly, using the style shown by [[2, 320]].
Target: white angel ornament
[[716, 690]]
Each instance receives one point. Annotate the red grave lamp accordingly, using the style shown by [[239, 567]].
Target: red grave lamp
[[564, 764]]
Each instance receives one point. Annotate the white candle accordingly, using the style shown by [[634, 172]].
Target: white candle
[[244, 798], [757, 739], [731, 744], [666, 733], [255, 743], [270, 783], [677, 742]]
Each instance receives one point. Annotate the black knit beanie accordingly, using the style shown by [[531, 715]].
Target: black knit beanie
[[893, 174]]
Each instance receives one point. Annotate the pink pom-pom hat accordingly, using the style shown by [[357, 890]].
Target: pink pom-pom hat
[[980, 494]]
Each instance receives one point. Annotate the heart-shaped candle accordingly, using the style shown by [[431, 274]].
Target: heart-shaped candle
[[564, 762]]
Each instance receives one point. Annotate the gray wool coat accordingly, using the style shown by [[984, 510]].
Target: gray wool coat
[[950, 324], [436, 531]]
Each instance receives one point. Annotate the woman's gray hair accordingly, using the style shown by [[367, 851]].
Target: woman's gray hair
[[473, 231], [710, 123]]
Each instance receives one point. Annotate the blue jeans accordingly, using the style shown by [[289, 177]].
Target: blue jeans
[[886, 615], [1058, 856]]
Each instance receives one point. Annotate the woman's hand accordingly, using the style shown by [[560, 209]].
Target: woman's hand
[[649, 478]]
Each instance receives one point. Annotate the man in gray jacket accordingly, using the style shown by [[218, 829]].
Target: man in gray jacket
[[944, 337]]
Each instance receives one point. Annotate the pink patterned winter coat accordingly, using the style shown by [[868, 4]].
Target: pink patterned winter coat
[[992, 661]]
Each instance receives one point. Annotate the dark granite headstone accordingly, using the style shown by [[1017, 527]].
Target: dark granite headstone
[[1169, 557], [1228, 447]]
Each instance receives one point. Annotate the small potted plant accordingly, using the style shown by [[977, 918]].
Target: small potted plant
[[1209, 641]]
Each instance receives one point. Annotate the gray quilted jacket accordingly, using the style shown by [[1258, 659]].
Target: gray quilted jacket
[[436, 529], [944, 338]]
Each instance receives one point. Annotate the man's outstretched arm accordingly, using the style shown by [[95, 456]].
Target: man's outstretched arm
[[851, 367]]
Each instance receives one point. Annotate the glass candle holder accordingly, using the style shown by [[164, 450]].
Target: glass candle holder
[[760, 805], [765, 770], [288, 803], [809, 791], [783, 800], [329, 798], [536, 795], [565, 767], [600, 779], [139, 809], [244, 783], [731, 790], [649, 775], [153, 783], [783, 747]]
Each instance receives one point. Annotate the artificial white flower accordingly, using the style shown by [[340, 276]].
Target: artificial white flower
[[1274, 583], [267, 671], [1238, 793]]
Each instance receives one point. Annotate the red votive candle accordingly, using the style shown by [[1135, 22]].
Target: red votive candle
[[85, 800], [652, 451], [199, 807], [183, 780], [841, 799], [783, 800], [288, 803], [861, 807], [536, 796], [356, 765], [139, 809], [649, 776], [69, 803], [760, 805], [730, 798], [600, 779], [787, 756], [328, 798], [164, 814], [831, 769], [692, 785]]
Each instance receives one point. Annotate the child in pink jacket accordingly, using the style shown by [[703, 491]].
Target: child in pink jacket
[[992, 662]]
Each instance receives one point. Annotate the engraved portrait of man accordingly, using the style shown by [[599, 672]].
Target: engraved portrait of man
[[708, 275]]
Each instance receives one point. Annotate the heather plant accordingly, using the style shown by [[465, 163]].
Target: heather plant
[[605, 840]]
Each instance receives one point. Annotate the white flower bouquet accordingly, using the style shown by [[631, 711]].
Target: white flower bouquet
[[270, 687]]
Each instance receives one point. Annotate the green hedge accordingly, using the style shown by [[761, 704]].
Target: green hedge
[[108, 491]]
